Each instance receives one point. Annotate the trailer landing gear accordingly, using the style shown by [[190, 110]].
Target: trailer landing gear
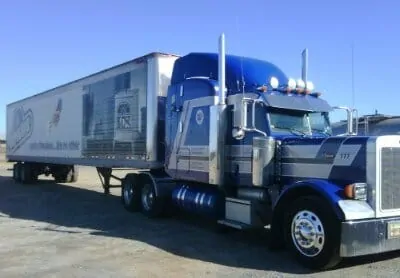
[[105, 175]]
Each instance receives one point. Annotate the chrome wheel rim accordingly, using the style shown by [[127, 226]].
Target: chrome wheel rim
[[308, 233], [147, 197], [128, 192]]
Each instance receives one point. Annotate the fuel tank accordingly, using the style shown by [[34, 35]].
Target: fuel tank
[[199, 199]]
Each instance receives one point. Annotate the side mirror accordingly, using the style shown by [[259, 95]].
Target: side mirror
[[355, 116], [350, 118], [239, 132]]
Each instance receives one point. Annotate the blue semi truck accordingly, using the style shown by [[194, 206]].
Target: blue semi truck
[[231, 138]]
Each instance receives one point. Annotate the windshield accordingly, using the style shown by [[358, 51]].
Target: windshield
[[320, 122], [299, 122]]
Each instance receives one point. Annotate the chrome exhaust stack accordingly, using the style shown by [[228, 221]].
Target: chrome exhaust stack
[[218, 126]]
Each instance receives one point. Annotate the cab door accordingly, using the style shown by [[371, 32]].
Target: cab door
[[173, 127]]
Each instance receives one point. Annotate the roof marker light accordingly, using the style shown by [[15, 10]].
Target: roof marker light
[[300, 84], [291, 84], [262, 88], [274, 82], [309, 86]]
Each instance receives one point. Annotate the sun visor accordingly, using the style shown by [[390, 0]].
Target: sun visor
[[301, 102]]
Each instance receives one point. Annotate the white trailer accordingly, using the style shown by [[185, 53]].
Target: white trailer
[[107, 120]]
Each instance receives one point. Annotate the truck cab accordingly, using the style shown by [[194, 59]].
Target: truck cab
[[255, 148], [271, 105]]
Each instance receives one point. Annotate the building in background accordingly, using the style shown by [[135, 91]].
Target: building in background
[[2, 145], [373, 125]]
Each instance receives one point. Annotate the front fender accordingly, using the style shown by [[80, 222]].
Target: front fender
[[344, 209], [325, 189]]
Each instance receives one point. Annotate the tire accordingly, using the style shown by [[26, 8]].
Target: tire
[[75, 174], [59, 174], [26, 173], [130, 194], [17, 171], [34, 177], [72, 175], [321, 251], [60, 178], [66, 174], [152, 205]]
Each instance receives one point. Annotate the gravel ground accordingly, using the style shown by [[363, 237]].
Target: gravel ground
[[56, 230]]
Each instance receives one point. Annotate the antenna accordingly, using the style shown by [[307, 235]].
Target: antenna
[[353, 93], [352, 77]]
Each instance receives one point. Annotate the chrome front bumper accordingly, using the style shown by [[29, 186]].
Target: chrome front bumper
[[371, 236]]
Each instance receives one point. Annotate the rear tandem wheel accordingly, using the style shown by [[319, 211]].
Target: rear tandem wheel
[[130, 193], [138, 193]]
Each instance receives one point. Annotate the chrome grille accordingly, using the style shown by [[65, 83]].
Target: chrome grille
[[390, 178]]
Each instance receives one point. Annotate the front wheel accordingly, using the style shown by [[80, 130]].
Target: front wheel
[[312, 232]]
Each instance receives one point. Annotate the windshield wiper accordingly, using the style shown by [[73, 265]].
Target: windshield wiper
[[323, 131], [293, 130]]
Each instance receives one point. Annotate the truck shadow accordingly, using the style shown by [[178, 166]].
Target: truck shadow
[[76, 208]]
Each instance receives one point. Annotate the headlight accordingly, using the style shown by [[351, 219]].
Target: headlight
[[356, 191]]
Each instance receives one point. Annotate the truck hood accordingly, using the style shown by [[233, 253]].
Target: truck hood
[[338, 159]]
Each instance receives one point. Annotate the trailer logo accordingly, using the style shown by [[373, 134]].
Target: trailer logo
[[56, 115], [22, 128]]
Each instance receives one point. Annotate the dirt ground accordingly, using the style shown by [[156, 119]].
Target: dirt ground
[[74, 230]]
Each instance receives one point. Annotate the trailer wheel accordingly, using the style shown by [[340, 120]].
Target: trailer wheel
[[73, 174], [65, 174], [17, 172], [25, 173], [60, 175], [312, 233], [59, 178], [130, 191], [152, 205]]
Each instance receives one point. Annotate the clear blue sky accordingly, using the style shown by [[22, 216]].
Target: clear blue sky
[[46, 43]]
